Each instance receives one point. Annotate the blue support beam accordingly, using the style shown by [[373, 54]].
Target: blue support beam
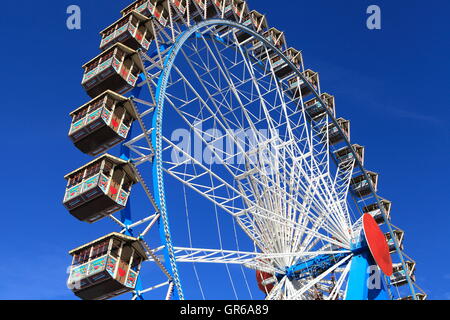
[[360, 285], [357, 281]]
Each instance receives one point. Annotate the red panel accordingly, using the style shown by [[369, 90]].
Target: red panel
[[260, 277], [121, 272], [113, 190], [377, 244], [114, 123]]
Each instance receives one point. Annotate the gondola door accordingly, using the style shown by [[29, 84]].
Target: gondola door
[[116, 120], [113, 190], [122, 272]]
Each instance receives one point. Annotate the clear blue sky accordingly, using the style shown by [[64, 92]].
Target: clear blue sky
[[392, 84]]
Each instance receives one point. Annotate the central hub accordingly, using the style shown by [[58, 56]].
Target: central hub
[[315, 266]]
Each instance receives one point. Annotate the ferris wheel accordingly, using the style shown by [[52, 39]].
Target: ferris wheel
[[223, 164]]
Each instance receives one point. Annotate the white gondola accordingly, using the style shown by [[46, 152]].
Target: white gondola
[[240, 10], [156, 9], [399, 277], [116, 69], [419, 296], [178, 9], [205, 8], [281, 68], [317, 110], [334, 135], [254, 21], [400, 234], [133, 30], [107, 267], [99, 188], [225, 11], [223, 7], [360, 186], [297, 87], [275, 37], [345, 154], [374, 210], [102, 123], [234, 10]]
